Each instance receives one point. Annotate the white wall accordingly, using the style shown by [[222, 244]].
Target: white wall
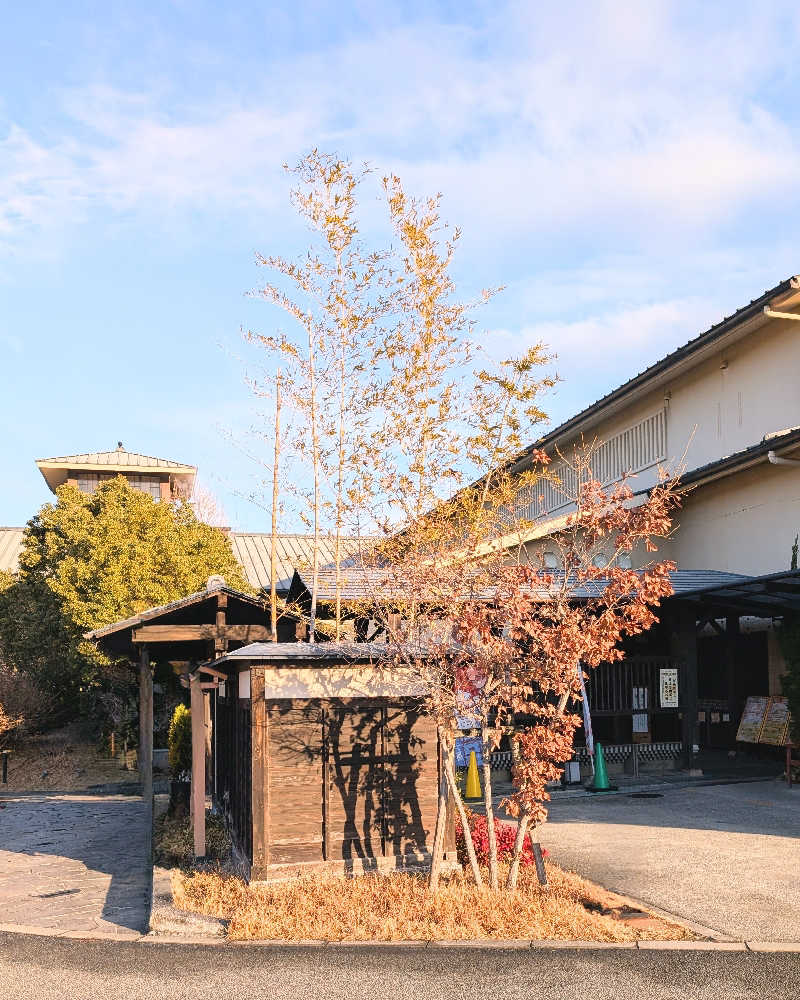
[[713, 411]]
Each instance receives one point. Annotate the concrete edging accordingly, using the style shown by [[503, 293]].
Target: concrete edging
[[125, 936]]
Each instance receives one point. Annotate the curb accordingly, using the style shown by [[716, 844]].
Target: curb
[[786, 947]]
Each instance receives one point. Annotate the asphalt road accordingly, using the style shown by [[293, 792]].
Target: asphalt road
[[35, 968]]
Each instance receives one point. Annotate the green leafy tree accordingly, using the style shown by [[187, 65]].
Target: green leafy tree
[[179, 741], [92, 559]]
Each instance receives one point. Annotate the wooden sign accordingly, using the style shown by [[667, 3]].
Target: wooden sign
[[752, 719], [775, 730]]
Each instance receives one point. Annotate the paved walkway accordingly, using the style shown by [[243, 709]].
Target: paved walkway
[[726, 856], [75, 863]]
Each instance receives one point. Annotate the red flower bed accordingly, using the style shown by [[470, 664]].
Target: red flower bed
[[505, 833]]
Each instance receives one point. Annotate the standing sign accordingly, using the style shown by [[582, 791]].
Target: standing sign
[[752, 719], [776, 723], [668, 685]]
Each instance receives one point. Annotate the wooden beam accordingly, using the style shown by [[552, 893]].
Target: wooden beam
[[192, 633], [198, 767], [146, 726], [212, 671]]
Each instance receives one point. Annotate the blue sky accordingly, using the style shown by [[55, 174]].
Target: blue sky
[[630, 172]]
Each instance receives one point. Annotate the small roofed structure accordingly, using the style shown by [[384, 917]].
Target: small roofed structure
[[186, 632], [325, 759], [160, 477]]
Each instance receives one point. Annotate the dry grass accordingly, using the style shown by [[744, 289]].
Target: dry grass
[[60, 760], [399, 907], [173, 840]]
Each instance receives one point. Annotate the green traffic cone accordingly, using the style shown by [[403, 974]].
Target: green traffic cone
[[600, 783]]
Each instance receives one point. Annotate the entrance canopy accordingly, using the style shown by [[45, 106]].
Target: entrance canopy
[[769, 596]]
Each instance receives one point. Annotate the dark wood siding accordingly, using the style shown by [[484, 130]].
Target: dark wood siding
[[349, 779]]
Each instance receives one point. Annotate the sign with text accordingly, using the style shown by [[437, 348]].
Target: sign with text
[[668, 687], [752, 719], [775, 730]]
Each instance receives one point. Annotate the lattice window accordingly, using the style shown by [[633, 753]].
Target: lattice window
[[632, 451]]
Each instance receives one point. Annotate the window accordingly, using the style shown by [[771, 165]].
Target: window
[[87, 481], [624, 560], [600, 560], [147, 484], [633, 450], [550, 560]]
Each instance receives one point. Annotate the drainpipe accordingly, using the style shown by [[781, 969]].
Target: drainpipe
[[777, 460]]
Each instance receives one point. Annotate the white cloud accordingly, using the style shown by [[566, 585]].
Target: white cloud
[[592, 118]]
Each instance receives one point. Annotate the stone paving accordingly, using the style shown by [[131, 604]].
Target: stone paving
[[75, 863]]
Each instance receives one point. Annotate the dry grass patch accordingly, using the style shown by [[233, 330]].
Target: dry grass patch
[[60, 760], [399, 908], [173, 840]]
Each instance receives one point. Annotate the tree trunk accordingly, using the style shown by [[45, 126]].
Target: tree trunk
[[273, 595], [473, 861], [491, 833], [317, 501], [438, 836], [519, 843]]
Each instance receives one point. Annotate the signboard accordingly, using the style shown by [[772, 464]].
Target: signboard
[[775, 730], [752, 719], [668, 687], [463, 747]]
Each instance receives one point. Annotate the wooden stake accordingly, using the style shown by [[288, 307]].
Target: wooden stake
[[273, 594], [198, 766], [146, 725]]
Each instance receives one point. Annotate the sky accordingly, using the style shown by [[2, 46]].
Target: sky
[[629, 172]]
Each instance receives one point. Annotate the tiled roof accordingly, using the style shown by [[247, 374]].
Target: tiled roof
[[10, 548], [292, 552], [360, 584], [165, 609], [713, 333]]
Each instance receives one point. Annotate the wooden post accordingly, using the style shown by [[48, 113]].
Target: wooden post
[[198, 767], [146, 725], [259, 733], [731, 640]]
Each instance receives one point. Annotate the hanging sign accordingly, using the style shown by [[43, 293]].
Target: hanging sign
[[775, 730], [752, 719], [668, 687]]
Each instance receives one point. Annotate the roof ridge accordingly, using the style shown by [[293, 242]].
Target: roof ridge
[[662, 363]]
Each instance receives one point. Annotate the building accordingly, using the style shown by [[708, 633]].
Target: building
[[160, 477], [725, 410]]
